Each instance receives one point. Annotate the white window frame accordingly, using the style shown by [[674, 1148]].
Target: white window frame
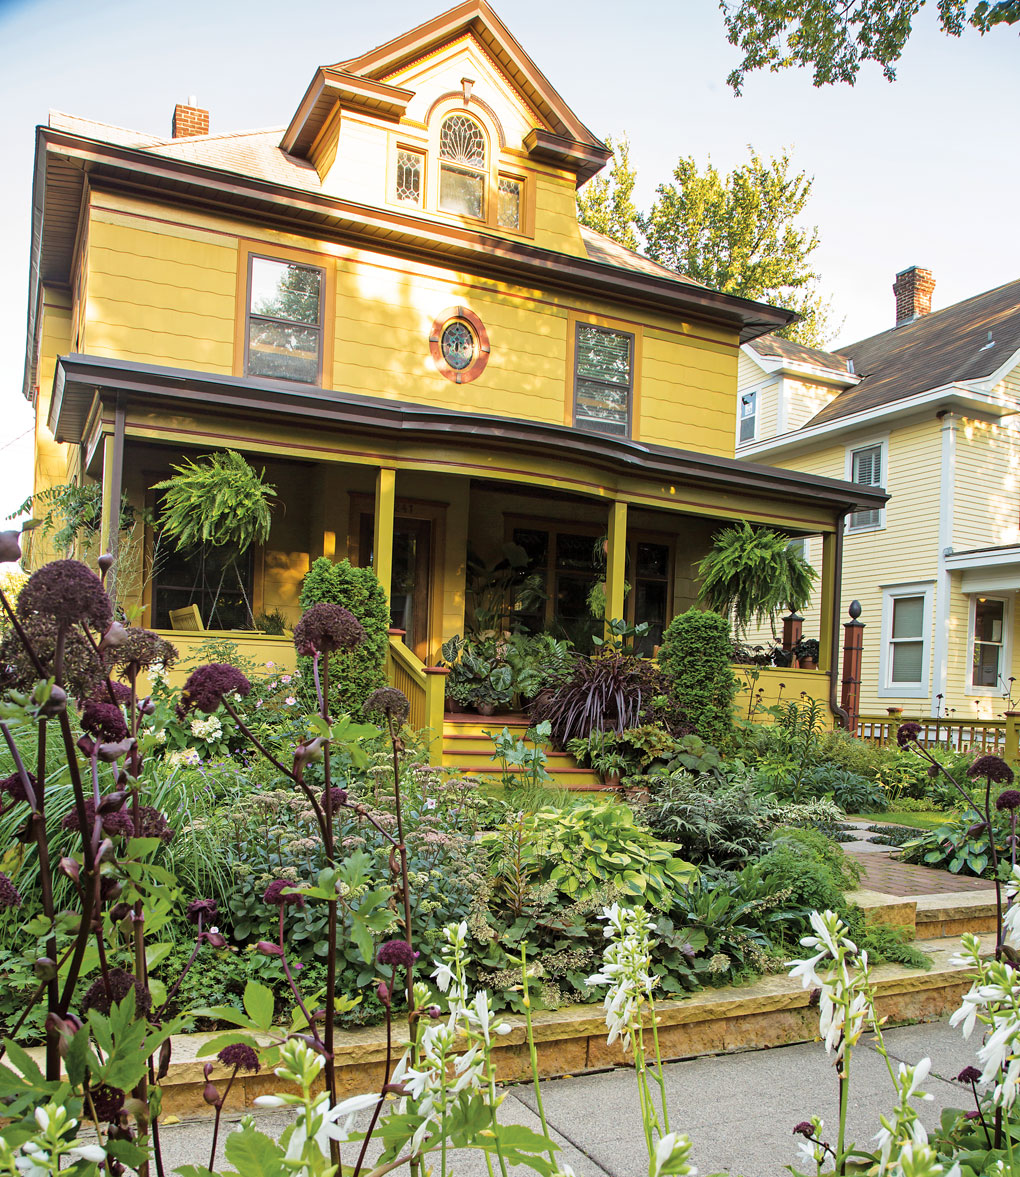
[[1006, 661], [887, 689], [881, 443], [755, 395]]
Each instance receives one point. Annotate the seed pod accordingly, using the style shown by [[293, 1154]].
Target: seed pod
[[56, 704], [269, 949], [163, 1065], [105, 562]]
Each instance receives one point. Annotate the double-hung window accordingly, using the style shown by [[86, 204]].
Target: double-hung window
[[603, 379], [988, 633], [748, 417], [866, 467], [285, 317], [906, 632]]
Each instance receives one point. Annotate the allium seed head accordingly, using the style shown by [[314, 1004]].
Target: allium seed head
[[207, 686], [141, 648], [239, 1056], [994, 768], [105, 721], [68, 591], [397, 953], [391, 702], [1008, 799], [326, 628]]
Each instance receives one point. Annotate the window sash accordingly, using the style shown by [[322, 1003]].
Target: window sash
[[906, 640], [988, 637], [748, 416], [866, 470], [281, 345], [508, 207], [603, 379], [410, 172]]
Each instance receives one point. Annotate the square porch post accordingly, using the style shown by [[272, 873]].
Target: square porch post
[[616, 562], [382, 540], [113, 488], [829, 601]]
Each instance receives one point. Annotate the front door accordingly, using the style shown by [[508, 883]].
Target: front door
[[412, 569]]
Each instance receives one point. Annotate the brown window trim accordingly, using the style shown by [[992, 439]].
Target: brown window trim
[[477, 365], [319, 326], [632, 336]]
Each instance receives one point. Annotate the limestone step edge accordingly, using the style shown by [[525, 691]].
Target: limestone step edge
[[772, 1011]]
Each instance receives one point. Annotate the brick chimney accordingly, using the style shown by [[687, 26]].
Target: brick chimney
[[190, 120], [913, 289]]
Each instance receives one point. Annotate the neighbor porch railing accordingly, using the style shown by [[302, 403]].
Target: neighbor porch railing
[[991, 736], [425, 688]]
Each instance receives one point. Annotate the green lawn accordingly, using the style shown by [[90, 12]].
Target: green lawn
[[917, 821]]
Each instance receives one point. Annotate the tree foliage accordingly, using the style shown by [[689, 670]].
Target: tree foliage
[[834, 38], [752, 573], [354, 674], [741, 233], [606, 203], [695, 659]]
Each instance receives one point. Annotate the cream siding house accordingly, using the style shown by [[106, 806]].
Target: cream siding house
[[929, 411]]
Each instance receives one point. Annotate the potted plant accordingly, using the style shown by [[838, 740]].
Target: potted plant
[[479, 677], [806, 653]]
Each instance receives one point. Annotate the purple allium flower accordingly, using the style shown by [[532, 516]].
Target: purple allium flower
[[992, 767], [207, 686], [108, 1102], [116, 822], [68, 591], [968, 1075], [14, 787], [391, 702], [142, 648], [274, 893], [239, 1056], [153, 824], [1008, 799], [104, 721], [97, 997], [325, 628], [804, 1128], [10, 896], [206, 908], [907, 733], [397, 953]]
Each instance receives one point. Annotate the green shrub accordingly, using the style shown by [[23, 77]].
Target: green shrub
[[355, 674], [723, 829], [695, 662]]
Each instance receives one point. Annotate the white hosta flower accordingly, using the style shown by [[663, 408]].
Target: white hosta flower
[[626, 969], [324, 1123], [670, 1157]]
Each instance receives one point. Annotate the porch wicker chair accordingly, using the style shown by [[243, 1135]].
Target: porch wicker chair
[[189, 618]]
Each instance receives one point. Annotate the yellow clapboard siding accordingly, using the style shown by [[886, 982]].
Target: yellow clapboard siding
[[162, 296]]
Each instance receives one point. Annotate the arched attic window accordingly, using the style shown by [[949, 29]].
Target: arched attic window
[[462, 166]]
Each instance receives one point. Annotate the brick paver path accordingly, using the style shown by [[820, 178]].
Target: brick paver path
[[880, 873]]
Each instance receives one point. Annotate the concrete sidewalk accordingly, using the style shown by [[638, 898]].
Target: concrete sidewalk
[[738, 1109]]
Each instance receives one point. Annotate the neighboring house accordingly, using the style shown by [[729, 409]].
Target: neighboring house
[[927, 410], [389, 303]]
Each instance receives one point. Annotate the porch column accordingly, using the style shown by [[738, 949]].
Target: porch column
[[113, 489], [616, 562], [829, 602], [382, 541]]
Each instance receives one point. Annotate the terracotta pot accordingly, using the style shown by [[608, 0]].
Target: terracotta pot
[[485, 708], [638, 794], [807, 664], [611, 780], [895, 710]]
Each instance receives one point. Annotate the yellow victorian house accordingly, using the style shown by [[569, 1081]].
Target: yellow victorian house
[[390, 305]]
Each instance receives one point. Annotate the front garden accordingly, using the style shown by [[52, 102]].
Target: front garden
[[271, 854]]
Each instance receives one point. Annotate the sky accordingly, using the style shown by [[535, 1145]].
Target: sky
[[923, 171]]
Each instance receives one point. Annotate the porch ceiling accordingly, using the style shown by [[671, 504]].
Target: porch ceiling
[[81, 380]]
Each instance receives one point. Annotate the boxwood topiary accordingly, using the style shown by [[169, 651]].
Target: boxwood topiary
[[695, 661], [354, 675]]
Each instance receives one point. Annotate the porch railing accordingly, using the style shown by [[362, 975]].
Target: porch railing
[[425, 688], [962, 735]]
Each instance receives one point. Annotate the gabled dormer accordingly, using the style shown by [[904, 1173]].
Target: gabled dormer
[[452, 122]]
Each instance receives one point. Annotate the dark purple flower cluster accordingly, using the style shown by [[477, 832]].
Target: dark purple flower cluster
[[82, 668], [141, 648], [1008, 799], [104, 721], [326, 628], [968, 1075], [204, 908], [121, 694], [10, 896], [804, 1128], [337, 797], [69, 592], [907, 733], [240, 1057], [207, 686], [994, 768], [117, 821], [274, 894], [108, 1103], [397, 953], [105, 992], [14, 787], [153, 824], [391, 702]]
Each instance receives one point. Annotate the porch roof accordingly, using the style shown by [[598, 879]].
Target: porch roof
[[80, 380]]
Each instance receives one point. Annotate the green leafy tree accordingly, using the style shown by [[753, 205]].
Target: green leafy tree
[[695, 659], [834, 38], [353, 674], [740, 233], [606, 203]]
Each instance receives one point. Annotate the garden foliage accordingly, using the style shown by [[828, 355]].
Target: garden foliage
[[695, 663]]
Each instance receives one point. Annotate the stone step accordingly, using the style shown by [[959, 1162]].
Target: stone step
[[773, 1011], [950, 915]]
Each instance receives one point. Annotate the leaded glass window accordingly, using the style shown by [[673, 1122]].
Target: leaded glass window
[[284, 320], [602, 379], [508, 214], [410, 165], [462, 167], [458, 345]]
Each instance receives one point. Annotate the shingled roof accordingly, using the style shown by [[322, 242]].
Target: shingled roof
[[797, 353]]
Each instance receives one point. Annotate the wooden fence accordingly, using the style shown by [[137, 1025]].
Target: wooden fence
[[962, 735]]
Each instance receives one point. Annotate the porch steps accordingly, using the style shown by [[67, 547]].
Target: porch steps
[[468, 747]]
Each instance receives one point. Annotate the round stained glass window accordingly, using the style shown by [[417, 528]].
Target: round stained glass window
[[458, 345]]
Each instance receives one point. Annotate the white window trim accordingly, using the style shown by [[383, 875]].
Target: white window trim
[[1007, 652], [886, 688], [754, 391], [881, 441]]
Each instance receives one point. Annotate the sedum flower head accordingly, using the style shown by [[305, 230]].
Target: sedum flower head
[[326, 628], [69, 592]]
